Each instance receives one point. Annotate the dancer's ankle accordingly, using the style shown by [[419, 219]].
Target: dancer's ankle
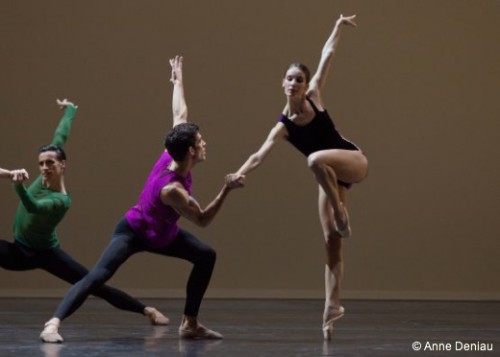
[[54, 321], [190, 322]]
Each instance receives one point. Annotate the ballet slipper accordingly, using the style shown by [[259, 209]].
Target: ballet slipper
[[334, 314], [198, 333], [346, 232], [50, 333], [155, 317]]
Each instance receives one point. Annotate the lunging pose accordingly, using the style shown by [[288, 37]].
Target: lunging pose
[[335, 162], [151, 224], [43, 206]]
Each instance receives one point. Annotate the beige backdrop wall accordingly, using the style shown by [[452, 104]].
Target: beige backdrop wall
[[415, 85]]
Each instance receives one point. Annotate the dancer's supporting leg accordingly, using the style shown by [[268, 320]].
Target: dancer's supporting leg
[[334, 267], [186, 246]]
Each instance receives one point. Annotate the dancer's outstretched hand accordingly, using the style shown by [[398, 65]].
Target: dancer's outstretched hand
[[235, 180], [18, 176], [65, 103], [176, 64], [347, 20]]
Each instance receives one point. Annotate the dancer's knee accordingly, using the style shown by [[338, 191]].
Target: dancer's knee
[[319, 167], [207, 256], [314, 163]]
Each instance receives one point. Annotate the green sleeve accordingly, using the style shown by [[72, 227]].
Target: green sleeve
[[64, 127], [33, 205], [35, 186]]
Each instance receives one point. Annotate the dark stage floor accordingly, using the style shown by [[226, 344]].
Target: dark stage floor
[[253, 328]]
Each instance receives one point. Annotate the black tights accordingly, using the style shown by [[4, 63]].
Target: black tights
[[124, 244], [16, 256]]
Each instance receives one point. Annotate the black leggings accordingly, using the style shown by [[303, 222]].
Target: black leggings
[[124, 244], [16, 256]]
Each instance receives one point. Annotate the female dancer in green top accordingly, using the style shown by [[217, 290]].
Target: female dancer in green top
[[43, 205]]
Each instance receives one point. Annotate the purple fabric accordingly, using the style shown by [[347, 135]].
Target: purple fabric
[[150, 218]]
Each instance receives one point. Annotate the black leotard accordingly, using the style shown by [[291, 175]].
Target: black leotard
[[318, 134]]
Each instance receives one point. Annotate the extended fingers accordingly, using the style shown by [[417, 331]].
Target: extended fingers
[[176, 62], [65, 103], [349, 20]]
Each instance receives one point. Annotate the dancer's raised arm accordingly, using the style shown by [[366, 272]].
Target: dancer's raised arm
[[51, 159], [179, 107], [318, 80], [62, 132]]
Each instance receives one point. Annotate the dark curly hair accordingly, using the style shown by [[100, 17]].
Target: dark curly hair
[[179, 139]]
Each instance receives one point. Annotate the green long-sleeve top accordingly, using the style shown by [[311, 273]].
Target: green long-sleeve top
[[41, 209]]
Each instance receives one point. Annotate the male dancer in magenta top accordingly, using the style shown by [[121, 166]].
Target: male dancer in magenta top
[[43, 205], [151, 224]]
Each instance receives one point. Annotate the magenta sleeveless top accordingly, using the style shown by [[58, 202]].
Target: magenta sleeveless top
[[150, 218]]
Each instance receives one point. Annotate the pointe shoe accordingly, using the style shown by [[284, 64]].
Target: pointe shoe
[[333, 315], [155, 317], [199, 333], [50, 334], [346, 232]]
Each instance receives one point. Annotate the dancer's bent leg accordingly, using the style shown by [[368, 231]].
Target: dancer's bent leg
[[328, 167], [186, 246]]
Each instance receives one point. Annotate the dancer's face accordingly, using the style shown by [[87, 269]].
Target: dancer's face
[[50, 166], [200, 148], [294, 83]]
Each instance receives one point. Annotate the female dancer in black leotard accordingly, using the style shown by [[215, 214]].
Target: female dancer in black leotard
[[335, 162]]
